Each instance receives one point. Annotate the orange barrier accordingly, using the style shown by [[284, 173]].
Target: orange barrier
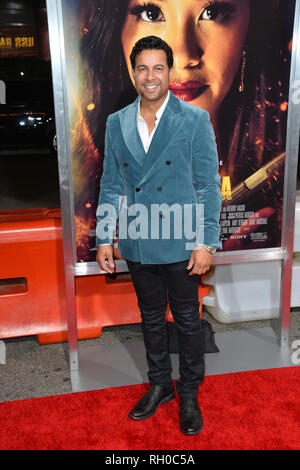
[[31, 273], [32, 284]]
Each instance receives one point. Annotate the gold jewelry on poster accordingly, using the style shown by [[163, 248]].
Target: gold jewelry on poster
[[242, 82]]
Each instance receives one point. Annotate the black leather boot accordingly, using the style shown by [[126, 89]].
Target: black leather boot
[[148, 404], [191, 421]]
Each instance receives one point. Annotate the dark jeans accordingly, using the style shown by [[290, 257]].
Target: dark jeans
[[153, 283]]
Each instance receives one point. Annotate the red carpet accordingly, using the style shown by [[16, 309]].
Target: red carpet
[[247, 410]]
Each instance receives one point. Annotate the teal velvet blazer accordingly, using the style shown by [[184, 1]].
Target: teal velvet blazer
[[155, 197]]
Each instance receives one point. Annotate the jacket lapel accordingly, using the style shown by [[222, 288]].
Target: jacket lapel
[[130, 132], [169, 125]]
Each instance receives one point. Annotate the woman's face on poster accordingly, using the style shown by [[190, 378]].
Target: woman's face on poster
[[207, 38]]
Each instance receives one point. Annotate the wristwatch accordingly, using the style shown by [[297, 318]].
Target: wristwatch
[[210, 249]]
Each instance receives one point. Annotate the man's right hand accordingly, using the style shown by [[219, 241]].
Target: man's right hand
[[105, 258]]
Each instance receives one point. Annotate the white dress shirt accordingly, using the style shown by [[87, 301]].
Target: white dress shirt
[[143, 127]]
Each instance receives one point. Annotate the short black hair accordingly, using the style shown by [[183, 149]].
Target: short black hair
[[151, 42]]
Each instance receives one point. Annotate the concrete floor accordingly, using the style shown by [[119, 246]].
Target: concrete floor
[[33, 370]]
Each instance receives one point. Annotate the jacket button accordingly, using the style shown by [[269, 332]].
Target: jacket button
[[159, 188], [137, 190], [125, 164], [168, 162]]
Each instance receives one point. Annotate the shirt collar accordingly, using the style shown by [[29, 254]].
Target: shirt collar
[[159, 112]]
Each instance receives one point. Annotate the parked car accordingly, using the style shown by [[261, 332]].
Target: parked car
[[27, 116]]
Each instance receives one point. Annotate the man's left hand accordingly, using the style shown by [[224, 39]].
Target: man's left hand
[[200, 261]]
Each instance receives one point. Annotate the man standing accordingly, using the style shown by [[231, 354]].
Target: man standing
[[161, 163]]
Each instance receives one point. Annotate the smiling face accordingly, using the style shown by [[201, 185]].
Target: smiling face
[[207, 41], [152, 75]]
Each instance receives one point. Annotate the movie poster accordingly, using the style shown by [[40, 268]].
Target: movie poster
[[232, 58]]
